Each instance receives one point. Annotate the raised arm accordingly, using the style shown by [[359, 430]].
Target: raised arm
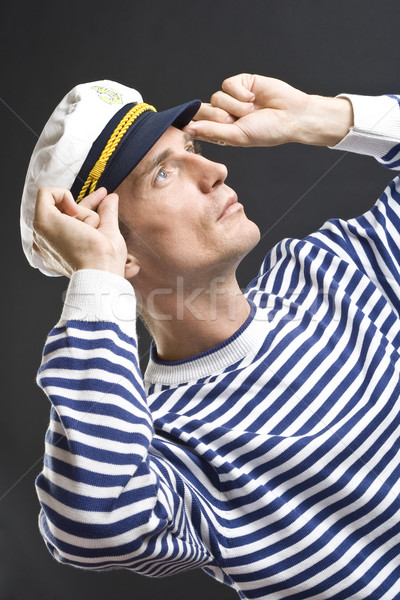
[[108, 497], [252, 110]]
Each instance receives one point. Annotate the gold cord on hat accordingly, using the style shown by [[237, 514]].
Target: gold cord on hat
[[116, 137]]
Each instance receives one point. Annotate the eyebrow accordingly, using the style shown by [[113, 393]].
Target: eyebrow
[[159, 158]]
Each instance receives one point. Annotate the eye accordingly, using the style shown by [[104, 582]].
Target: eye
[[161, 175], [194, 147]]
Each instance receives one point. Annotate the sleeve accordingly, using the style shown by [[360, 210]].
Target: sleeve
[[106, 500], [371, 242], [376, 129]]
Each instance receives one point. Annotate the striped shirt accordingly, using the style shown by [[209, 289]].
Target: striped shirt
[[272, 460]]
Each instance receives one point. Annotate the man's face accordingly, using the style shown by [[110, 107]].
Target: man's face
[[184, 220]]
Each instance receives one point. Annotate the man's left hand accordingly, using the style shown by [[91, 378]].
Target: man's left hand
[[253, 110]]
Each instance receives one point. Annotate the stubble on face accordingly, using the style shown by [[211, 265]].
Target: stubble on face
[[170, 209]]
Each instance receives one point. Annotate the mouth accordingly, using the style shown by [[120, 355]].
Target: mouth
[[231, 206]]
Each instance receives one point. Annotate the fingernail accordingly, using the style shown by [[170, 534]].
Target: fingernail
[[190, 131], [230, 119]]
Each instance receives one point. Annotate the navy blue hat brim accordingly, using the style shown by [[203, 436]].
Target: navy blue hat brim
[[136, 143]]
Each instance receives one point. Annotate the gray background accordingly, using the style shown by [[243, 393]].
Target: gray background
[[171, 51]]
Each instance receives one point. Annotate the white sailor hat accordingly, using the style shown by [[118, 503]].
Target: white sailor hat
[[95, 137]]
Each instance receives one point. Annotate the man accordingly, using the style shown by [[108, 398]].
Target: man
[[263, 442]]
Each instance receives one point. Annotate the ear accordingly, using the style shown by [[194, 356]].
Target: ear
[[132, 266]]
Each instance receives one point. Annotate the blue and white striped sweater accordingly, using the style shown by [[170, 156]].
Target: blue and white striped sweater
[[271, 461]]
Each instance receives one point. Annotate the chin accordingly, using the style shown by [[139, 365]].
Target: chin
[[247, 239], [249, 234], [256, 233]]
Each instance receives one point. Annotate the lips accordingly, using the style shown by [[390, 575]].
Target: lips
[[231, 200]]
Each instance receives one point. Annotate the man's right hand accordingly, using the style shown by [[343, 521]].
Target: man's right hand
[[69, 236], [252, 110]]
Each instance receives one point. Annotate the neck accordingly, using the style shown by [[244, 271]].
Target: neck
[[187, 320]]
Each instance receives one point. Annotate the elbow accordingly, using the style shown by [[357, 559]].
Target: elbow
[[97, 545]]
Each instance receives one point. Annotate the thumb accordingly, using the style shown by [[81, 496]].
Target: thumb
[[217, 133], [108, 213]]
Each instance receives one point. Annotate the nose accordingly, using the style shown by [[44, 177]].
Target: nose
[[209, 174]]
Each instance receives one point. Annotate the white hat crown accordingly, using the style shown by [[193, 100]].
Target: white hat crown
[[64, 144]]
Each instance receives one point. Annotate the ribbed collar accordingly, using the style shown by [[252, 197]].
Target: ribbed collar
[[245, 340]]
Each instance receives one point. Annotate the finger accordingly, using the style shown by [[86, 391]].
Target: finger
[[240, 87], [60, 201], [50, 203], [207, 112], [90, 217], [218, 133], [52, 196], [108, 213], [68, 204], [231, 105], [93, 200], [63, 199]]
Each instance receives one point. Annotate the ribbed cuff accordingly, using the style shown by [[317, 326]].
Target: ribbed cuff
[[376, 125], [100, 296]]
